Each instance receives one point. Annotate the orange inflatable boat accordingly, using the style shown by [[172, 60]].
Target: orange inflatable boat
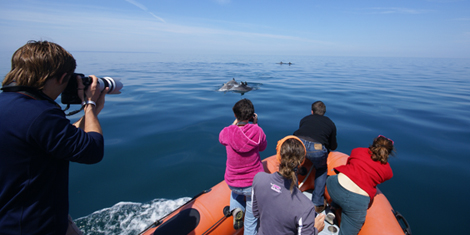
[[208, 212]]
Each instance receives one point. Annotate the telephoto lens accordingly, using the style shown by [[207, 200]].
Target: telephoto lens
[[70, 94], [115, 85]]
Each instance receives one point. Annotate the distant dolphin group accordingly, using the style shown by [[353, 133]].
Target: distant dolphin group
[[233, 85]]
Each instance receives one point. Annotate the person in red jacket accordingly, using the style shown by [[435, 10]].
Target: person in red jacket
[[354, 187]]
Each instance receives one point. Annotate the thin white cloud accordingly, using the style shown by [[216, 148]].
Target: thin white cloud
[[141, 6], [137, 4], [162, 20]]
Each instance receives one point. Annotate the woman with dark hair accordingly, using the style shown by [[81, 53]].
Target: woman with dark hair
[[354, 187], [280, 206]]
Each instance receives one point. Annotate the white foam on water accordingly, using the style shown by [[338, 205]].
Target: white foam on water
[[127, 218]]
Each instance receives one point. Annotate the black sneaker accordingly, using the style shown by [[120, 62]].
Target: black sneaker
[[237, 214]]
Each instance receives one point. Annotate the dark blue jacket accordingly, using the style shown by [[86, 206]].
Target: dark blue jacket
[[37, 142]]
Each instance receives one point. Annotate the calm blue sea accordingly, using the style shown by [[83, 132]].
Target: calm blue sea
[[162, 132]]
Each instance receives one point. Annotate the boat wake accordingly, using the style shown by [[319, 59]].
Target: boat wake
[[127, 218]]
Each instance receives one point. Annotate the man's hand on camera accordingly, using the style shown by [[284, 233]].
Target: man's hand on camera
[[94, 94]]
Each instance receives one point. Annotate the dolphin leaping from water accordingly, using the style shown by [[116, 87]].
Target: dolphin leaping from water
[[233, 85]]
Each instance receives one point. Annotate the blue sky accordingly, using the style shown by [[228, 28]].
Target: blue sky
[[398, 28]]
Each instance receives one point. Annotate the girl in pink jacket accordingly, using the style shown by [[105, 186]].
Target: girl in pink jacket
[[243, 142]]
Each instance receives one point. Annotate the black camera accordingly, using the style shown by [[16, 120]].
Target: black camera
[[252, 119], [70, 94]]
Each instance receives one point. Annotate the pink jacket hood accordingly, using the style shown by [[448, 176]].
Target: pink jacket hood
[[243, 139]]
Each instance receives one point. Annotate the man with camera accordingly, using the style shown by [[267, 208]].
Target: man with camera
[[37, 141]]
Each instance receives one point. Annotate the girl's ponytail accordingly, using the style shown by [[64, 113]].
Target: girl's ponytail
[[292, 154]]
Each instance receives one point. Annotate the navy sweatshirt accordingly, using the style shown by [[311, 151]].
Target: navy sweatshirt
[[37, 142]]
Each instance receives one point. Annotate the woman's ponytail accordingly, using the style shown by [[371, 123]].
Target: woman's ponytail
[[292, 154]]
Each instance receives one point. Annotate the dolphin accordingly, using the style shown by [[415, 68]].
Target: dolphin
[[229, 85], [234, 86]]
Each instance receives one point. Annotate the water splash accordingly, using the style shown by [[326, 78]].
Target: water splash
[[127, 218]]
